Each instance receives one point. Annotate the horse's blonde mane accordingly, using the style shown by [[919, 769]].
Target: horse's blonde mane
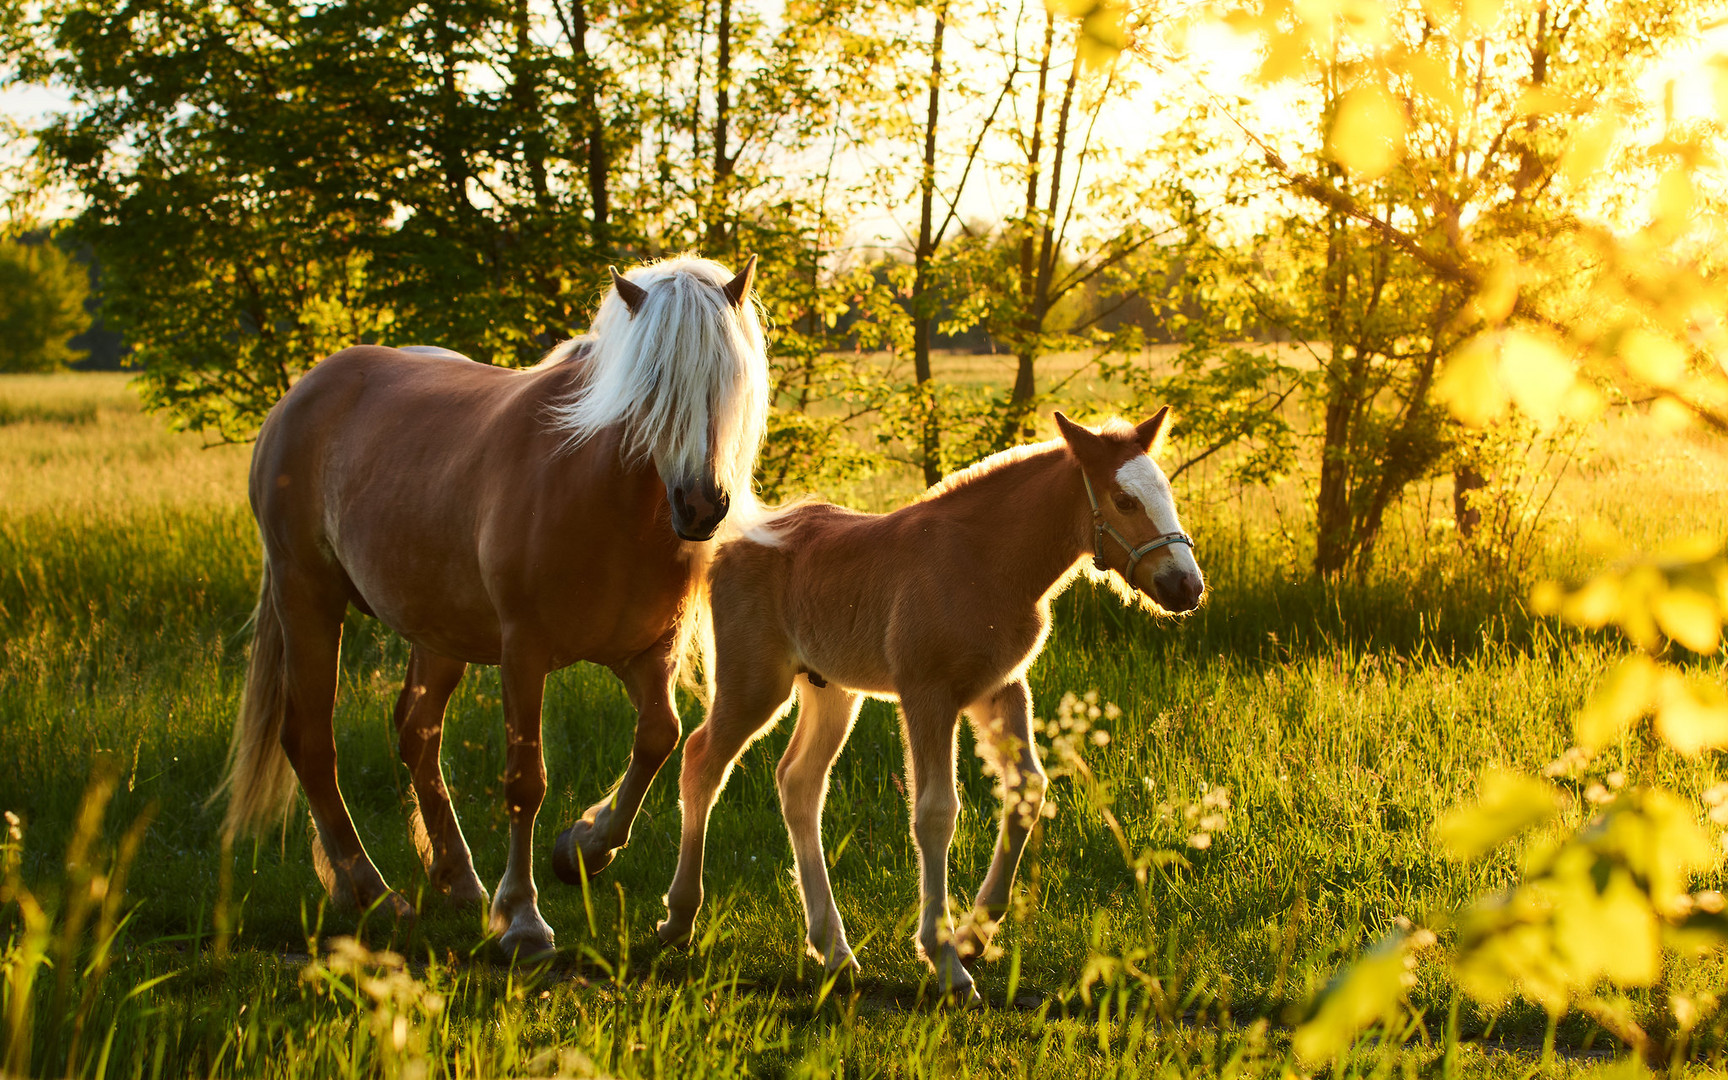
[[685, 359]]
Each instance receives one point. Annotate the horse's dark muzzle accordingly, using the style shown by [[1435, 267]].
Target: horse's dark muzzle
[[698, 510]]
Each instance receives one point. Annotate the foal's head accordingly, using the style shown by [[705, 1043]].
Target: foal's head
[[1136, 531], [677, 357]]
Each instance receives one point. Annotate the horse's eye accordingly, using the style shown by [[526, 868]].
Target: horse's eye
[[1127, 503]]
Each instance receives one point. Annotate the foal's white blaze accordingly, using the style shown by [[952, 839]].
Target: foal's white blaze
[[1142, 478]]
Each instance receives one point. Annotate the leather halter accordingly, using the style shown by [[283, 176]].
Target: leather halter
[[1100, 527]]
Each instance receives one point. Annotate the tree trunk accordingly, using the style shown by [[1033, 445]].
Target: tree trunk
[[714, 239], [599, 230], [1465, 480], [922, 317]]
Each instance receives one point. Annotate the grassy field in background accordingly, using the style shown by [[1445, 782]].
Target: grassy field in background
[[1342, 724]]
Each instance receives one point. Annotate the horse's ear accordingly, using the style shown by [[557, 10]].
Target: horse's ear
[[1149, 433], [631, 293], [739, 287]]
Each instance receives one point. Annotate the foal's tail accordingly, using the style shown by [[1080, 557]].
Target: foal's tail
[[260, 782]]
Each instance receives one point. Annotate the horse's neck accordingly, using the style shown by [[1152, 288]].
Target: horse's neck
[[1030, 516]]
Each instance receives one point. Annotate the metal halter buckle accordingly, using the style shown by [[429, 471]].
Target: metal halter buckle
[[1100, 527]]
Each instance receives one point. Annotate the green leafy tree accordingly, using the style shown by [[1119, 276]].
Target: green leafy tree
[[42, 295]]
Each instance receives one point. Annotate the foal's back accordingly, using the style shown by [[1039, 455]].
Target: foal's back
[[874, 602]]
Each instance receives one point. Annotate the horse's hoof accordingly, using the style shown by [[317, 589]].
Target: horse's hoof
[[569, 861], [394, 905], [464, 893], [676, 933]]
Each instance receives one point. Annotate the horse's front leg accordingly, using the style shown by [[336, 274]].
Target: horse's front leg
[[930, 721], [515, 907], [1003, 722], [589, 845], [420, 709]]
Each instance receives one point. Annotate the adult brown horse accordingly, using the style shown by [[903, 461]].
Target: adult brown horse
[[528, 519]]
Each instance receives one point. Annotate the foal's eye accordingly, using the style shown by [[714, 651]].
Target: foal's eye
[[1127, 503]]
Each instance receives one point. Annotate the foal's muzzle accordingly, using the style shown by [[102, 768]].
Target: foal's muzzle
[[697, 508]]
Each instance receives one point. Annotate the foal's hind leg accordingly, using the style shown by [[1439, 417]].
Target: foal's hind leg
[[312, 639], [420, 708], [825, 717], [749, 697], [931, 718], [1003, 722], [590, 844]]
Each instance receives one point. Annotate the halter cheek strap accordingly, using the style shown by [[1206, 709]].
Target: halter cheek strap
[[1101, 528]]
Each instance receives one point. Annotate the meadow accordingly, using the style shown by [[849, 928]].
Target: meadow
[[1341, 722]]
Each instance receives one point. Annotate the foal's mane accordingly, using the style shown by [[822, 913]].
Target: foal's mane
[[687, 358], [979, 469]]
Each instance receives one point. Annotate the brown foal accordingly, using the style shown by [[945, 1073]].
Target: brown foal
[[528, 519], [943, 604]]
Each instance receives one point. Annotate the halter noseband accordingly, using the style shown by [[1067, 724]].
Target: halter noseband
[[1100, 527]]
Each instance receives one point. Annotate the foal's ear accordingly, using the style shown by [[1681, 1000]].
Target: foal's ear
[[1149, 433], [631, 293], [1080, 439]]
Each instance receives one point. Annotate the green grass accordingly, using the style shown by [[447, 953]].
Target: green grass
[[1343, 723]]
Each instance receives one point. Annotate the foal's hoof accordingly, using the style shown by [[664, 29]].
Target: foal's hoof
[[955, 984], [676, 932], [570, 862], [534, 943]]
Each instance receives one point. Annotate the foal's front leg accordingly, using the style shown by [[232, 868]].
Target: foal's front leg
[[825, 717], [515, 907], [589, 845], [930, 721], [1003, 722]]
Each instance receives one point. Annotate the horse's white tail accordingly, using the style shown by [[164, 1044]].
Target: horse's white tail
[[260, 781], [695, 645]]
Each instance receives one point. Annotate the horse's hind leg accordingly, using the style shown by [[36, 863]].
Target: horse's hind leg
[[1003, 722], [312, 639], [516, 905], [747, 700], [589, 845], [825, 718], [420, 709]]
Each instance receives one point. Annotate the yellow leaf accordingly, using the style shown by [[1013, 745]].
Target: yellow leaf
[[1357, 996], [1587, 151], [1624, 694], [1365, 20], [1498, 293], [1652, 357], [1367, 135], [1669, 417], [1545, 598], [1675, 196], [1103, 35], [1482, 15], [1596, 604], [1688, 617], [1537, 375], [1435, 82], [1582, 402], [1468, 385], [1692, 716], [1510, 804], [1542, 100], [1610, 932]]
